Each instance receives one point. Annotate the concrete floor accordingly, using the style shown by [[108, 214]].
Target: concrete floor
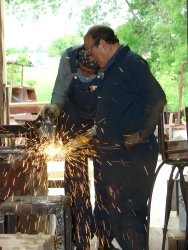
[[155, 240], [157, 212], [157, 209]]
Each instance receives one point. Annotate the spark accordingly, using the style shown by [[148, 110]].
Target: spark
[[121, 69], [109, 163], [128, 236], [114, 205], [133, 212], [145, 226], [50, 150], [146, 170], [116, 101], [119, 210], [102, 120], [58, 151], [13, 182], [102, 130], [124, 236], [38, 150]]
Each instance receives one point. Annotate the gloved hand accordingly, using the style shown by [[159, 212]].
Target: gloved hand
[[133, 139], [50, 110]]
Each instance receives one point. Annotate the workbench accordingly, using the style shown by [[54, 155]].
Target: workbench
[[41, 205]]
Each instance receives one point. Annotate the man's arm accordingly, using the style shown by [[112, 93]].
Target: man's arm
[[154, 99], [62, 82]]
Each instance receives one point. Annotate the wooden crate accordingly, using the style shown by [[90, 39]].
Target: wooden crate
[[23, 94]]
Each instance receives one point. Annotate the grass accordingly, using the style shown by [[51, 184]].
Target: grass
[[44, 76]]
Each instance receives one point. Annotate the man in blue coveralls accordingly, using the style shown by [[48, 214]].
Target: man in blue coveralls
[[74, 101], [130, 103]]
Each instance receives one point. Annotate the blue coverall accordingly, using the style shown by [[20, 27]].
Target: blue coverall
[[78, 100], [130, 100]]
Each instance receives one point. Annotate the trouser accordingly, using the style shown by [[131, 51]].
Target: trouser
[[128, 179], [101, 213], [76, 178], [77, 188]]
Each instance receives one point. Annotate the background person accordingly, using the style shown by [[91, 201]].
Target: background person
[[131, 101]]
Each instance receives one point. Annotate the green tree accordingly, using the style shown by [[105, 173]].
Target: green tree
[[22, 8], [58, 46], [85, 13], [156, 29], [158, 32], [101, 12]]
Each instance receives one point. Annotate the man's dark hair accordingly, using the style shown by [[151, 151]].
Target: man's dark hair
[[99, 32]]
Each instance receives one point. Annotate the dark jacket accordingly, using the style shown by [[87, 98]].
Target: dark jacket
[[130, 100]]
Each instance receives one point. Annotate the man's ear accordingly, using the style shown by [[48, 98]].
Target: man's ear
[[103, 43]]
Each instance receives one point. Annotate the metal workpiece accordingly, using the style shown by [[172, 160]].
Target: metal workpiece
[[63, 228], [48, 131], [42, 205], [48, 128]]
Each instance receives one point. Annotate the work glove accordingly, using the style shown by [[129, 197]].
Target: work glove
[[50, 110], [131, 140]]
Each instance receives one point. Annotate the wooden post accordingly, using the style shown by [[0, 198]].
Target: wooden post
[[2, 67]]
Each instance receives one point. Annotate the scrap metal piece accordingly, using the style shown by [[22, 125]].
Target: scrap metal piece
[[48, 128]]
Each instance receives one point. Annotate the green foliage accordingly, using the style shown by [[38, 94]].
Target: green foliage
[[58, 46], [14, 71], [31, 83], [100, 12], [128, 35], [10, 51], [14, 75], [161, 39], [156, 29], [25, 60], [35, 8]]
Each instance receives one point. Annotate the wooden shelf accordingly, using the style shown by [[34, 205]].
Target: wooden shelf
[[23, 94]]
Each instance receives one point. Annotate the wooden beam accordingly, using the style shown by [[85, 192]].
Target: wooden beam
[[26, 107], [2, 67]]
